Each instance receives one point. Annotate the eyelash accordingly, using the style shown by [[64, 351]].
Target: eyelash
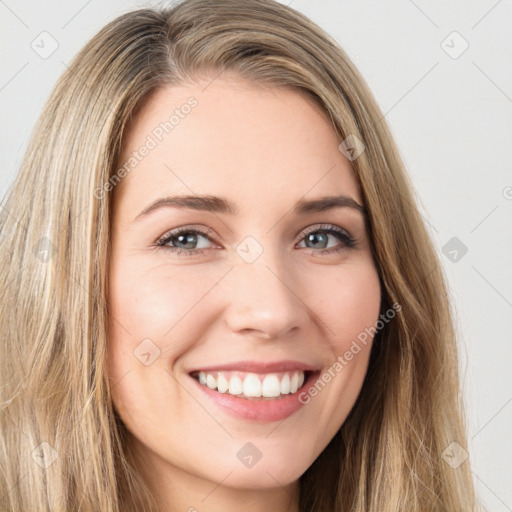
[[343, 236]]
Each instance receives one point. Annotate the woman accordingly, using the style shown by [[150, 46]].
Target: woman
[[228, 296]]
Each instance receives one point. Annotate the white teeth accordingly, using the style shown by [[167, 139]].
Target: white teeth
[[235, 386], [301, 380], [285, 384], [222, 384], [211, 381], [252, 385], [294, 384], [271, 386]]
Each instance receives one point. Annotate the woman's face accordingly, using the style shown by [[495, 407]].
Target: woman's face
[[250, 279]]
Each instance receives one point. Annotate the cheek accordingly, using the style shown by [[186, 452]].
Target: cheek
[[149, 312], [348, 306], [348, 303], [155, 315], [155, 303]]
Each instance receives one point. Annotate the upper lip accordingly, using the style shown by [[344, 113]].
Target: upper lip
[[259, 366]]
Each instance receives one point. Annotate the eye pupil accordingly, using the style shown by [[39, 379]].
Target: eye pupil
[[187, 239], [314, 237]]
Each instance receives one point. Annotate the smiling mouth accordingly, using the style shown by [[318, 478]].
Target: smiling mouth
[[254, 386]]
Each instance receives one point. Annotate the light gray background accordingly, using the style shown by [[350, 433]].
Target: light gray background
[[451, 115]]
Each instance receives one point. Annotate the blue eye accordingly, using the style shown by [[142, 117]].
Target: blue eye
[[182, 240], [186, 241], [321, 234]]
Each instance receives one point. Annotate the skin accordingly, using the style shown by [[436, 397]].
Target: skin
[[262, 149]]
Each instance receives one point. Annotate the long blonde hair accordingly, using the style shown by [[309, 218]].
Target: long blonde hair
[[61, 442]]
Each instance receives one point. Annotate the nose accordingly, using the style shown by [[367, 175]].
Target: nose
[[264, 298]]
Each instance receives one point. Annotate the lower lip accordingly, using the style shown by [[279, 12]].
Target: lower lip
[[260, 411]]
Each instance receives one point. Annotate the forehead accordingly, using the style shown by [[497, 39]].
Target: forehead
[[233, 139]]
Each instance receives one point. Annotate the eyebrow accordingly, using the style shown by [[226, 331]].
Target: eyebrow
[[217, 204]]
